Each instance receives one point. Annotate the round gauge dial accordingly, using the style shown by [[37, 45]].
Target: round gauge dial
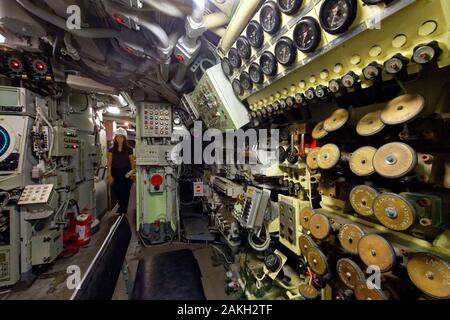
[[255, 34], [256, 74], [285, 51], [268, 63], [237, 87], [246, 82], [243, 48], [289, 7], [270, 17], [226, 67], [307, 34], [234, 58], [336, 16]]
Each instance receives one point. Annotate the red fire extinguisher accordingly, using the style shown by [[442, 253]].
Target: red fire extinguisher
[[83, 229]]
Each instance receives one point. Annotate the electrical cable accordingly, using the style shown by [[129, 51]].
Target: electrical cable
[[262, 247]]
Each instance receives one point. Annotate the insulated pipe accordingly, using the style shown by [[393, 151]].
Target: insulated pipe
[[198, 10], [61, 23], [244, 13], [216, 20], [165, 7]]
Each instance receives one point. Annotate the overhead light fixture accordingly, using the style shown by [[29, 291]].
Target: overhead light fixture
[[122, 100], [113, 110], [2, 38], [127, 124]]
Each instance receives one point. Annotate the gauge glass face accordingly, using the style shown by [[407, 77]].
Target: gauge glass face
[[255, 34], [334, 86], [320, 92], [309, 94], [237, 87], [371, 72], [299, 98], [243, 48], [255, 73], [285, 51], [307, 34], [348, 81], [270, 18], [289, 6], [336, 16], [268, 64], [424, 54], [246, 82], [234, 58], [226, 67], [394, 65]]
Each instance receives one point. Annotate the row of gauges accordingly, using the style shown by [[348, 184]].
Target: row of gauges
[[34, 68], [423, 54], [336, 16]]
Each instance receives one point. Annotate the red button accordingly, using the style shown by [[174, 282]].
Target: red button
[[156, 180]]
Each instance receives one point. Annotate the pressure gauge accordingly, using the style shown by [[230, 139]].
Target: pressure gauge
[[268, 63], [396, 64], [270, 17], [350, 79], [307, 34], [226, 67], [309, 94], [289, 7], [335, 85], [243, 48], [246, 82], [285, 51], [336, 16], [272, 262], [292, 155], [255, 34], [426, 53], [256, 74], [237, 87], [234, 58], [321, 92], [372, 71]]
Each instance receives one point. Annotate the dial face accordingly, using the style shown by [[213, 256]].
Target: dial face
[[243, 48], [237, 87], [289, 7], [246, 82], [255, 34], [307, 34], [285, 51], [270, 17], [256, 74], [268, 63], [226, 67], [336, 16], [234, 58]]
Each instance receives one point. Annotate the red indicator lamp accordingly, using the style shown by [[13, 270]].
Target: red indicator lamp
[[156, 180]]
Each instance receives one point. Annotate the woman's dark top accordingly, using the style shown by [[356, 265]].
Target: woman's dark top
[[121, 160]]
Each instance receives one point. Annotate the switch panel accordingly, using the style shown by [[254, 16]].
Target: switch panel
[[149, 155], [156, 120], [36, 194]]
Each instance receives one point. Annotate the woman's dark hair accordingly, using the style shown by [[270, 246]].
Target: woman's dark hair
[[125, 147]]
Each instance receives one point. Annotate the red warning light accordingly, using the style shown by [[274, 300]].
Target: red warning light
[[180, 58], [156, 180], [130, 50], [119, 19], [15, 64], [40, 66]]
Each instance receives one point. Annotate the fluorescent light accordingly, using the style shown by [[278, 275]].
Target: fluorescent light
[[126, 124], [113, 110], [122, 100], [2, 38]]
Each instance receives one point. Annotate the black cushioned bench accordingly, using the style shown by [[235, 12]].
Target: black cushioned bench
[[167, 276]]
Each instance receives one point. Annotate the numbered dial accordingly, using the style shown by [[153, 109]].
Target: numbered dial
[[289, 7], [255, 34], [270, 17], [234, 58], [336, 16], [256, 74], [268, 63], [246, 82], [307, 34], [237, 87], [243, 48], [226, 67], [285, 51]]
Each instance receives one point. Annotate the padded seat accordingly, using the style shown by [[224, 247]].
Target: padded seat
[[169, 276]]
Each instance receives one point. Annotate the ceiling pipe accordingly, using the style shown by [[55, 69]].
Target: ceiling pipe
[[216, 20], [165, 7], [239, 21], [93, 33]]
